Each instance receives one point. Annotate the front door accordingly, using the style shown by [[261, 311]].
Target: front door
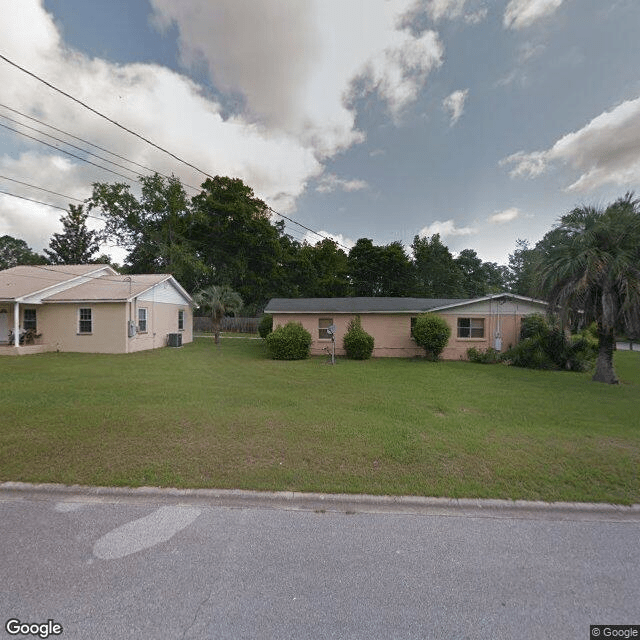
[[4, 326]]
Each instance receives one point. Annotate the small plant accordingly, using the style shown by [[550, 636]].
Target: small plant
[[490, 356], [265, 327], [289, 342], [431, 332], [357, 343]]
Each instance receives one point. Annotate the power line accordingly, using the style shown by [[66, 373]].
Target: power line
[[102, 115], [33, 186], [92, 144], [46, 204]]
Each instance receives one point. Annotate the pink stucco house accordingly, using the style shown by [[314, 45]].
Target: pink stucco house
[[488, 321], [91, 308]]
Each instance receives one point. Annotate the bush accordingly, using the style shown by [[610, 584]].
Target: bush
[[265, 327], [357, 342], [490, 356], [431, 332], [544, 345], [290, 342]]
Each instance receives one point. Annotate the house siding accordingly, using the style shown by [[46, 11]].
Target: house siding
[[162, 319]]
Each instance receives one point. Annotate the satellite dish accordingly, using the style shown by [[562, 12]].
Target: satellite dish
[[331, 329]]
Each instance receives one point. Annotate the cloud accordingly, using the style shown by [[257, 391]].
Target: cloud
[[605, 151], [298, 72], [507, 215], [437, 10], [331, 182], [523, 13], [343, 242], [453, 104], [446, 229]]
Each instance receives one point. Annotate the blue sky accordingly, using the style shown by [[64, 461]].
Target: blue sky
[[483, 120]]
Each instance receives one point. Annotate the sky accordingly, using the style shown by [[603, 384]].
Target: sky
[[481, 120]]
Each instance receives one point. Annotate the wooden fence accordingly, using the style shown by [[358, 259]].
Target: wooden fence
[[236, 325]]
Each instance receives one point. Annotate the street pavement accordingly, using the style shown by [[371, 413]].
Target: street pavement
[[158, 564]]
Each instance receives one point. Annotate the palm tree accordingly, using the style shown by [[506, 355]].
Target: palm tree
[[218, 301], [589, 265]]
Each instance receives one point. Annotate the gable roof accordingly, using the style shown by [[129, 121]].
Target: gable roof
[[378, 305], [78, 283], [19, 282]]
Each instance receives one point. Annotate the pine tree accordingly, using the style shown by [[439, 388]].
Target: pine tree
[[76, 244]]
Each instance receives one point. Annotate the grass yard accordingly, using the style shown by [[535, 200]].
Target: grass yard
[[228, 417]]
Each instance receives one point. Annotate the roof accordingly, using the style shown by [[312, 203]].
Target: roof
[[109, 288], [358, 305], [21, 281], [378, 305], [77, 283]]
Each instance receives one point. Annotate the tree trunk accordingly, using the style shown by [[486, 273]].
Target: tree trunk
[[604, 364]]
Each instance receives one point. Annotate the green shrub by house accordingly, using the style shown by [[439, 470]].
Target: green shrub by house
[[289, 342], [357, 342], [431, 332], [265, 326], [490, 356]]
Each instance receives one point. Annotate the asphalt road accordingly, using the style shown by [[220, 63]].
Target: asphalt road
[[148, 566]]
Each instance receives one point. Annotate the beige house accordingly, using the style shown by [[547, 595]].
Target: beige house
[[489, 321], [90, 308]]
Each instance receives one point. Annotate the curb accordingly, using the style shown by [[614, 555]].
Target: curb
[[323, 502]]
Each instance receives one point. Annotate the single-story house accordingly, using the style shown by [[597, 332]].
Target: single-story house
[[90, 308], [487, 321]]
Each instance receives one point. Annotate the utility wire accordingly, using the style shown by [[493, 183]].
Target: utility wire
[[102, 115], [46, 204], [92, 144], [33, 186]]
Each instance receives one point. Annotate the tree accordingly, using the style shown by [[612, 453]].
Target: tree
[[218, 301], [589, 267], [438, 275], [357, 343], [521, 277], [156, 230], [15, 252], [76, 244]]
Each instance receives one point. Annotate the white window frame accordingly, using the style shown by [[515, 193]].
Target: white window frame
[[142, 319], [180, 319], [85, 319], [474, 330], [323, 325]]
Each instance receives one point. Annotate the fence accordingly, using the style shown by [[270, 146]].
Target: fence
[[235, 325]]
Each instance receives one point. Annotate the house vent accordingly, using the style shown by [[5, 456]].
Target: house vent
[[175, 340]]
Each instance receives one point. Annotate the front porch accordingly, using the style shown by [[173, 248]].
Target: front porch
[[25, 350]]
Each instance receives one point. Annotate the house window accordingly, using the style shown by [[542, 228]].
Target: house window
[[142, 320], [181, 320], [413, 325], [85, 321], [29, 319], [323, 325], [470, 327]]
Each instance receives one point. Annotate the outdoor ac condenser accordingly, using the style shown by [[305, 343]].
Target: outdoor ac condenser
[[175, 340]]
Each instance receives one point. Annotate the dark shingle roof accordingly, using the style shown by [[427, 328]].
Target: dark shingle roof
[[359, 305]]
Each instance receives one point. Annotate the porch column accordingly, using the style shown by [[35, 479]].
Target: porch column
[[16, 324]]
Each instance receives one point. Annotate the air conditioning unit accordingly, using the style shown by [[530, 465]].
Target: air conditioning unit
[[131, 329], [175, 340]]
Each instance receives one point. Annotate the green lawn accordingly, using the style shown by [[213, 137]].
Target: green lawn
[[228, 417]]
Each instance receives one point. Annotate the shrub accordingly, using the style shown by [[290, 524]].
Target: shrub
[[431, 332], [357, 342], [265, 327], [290, 342], [545, 345], [490, 356]]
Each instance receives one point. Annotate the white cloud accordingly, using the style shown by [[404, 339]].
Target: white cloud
[[438, 10], [605, 151], [343, 242], [297, 69], [331, 182], [453, 104], [505, 216], [523, 13], [446, 229]]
